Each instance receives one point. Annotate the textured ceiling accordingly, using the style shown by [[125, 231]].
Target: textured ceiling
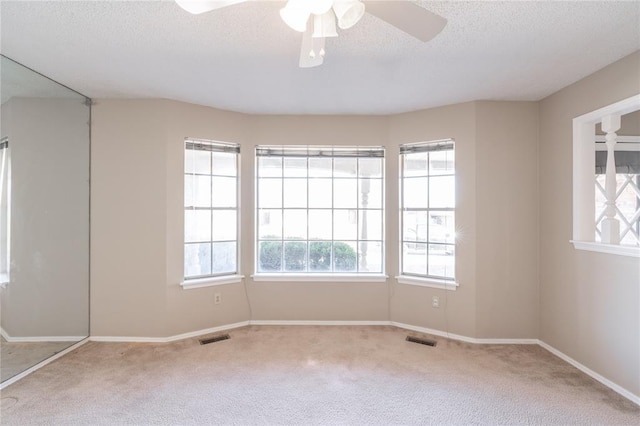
[[244, 58]]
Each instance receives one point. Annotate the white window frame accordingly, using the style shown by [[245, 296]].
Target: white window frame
[[425, 280], [5, 212], [307, 152], [223, 277], [584, 136]]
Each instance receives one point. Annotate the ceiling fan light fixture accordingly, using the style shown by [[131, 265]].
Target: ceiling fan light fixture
[[324, 25], [319, 7], [295, 15], [348, 12]]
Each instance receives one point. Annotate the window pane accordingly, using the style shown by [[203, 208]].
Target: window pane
[[345, 258], [320, 224], [415, 164], [196, 161], [270, 193], [320, 253], [370, 225], [320, 193], [370, 255], [197, 225], [224, 192], [370, 193], [270, 167], [345, 225], [441, 162], [295, 167], [442, 227], [197, 191], [224, 163], [414, 258], [270, 256], [224, 225], [345, 193], [270, 225], [295, 224], [295, 256], [197, 260], [344, 167], [224, 258], [295, 193], [442, 190], [441, 260], [415, 192], [370, 167], [320, 167], [414, 226]]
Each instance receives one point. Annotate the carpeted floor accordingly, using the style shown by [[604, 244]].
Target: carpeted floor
[[312, 375]]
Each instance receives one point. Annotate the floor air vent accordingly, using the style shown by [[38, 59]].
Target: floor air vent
[[421, 341], [214, 339]]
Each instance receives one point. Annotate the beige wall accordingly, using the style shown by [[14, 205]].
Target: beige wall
[[137, 222], [507, 219], [589, 302], [49, 290]]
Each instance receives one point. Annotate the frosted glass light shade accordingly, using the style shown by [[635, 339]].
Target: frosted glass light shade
[[296, 18], [324, 25], [348, 12], [319, 7]]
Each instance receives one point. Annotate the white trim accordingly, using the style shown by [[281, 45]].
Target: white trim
[[340, 278], [631, 251], [42, 364], [427, 282], [211, 281], [623, 107], [35, 339], [315, 322], [439, 333], [608, 383], [170, 338]]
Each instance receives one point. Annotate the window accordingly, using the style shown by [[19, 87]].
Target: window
[[590, 231], [427, 210], [319, 210], [210, 209], [627, 162], [5, 212]]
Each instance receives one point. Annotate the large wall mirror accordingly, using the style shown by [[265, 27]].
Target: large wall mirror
[[44, 218]]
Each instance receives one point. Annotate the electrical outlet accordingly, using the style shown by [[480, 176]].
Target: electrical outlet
[[435, 302], [217, 298]]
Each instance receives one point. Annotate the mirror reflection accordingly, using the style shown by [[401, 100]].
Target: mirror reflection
[[44, 218]]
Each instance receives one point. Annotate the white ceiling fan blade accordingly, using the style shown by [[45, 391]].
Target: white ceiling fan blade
[[200, 6], [408, 17], [312, 49]]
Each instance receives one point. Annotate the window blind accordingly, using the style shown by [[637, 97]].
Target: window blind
[[626, 162], [319, 151], [213, 146], [440, 145]]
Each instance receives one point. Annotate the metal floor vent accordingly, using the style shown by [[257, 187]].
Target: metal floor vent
[[421, 341], [214, 339]]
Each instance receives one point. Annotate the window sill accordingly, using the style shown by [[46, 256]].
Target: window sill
[[320, 277], [428, 282], [4, 280], [619, 250], [211, 281]]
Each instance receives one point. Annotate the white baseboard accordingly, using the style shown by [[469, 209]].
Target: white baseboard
[[36, 339], [434, 332], [608, 383], [313, 322], [42, 364], [170, 338]]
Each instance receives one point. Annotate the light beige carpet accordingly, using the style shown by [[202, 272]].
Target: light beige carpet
[[312, 375]]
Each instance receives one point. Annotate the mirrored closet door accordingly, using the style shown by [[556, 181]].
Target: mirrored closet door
[[44, 218]]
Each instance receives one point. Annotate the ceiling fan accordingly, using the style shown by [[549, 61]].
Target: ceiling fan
[[316, 19]]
